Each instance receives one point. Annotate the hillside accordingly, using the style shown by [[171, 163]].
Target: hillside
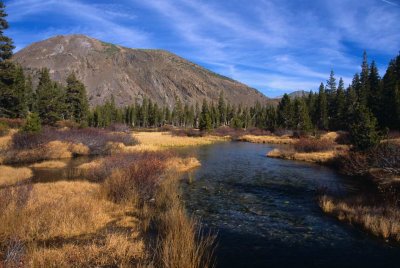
[[131, 74]]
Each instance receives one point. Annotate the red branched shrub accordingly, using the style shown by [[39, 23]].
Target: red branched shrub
[[385, 157], [13, 123], [313, 145], [118, 127], [139, 178], [189, 132], [95, 139]]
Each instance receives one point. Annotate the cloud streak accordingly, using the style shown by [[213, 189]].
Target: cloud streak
[[275, 46]]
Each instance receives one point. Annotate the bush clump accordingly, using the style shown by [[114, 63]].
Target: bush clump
[[313, 145], [32, 124], [4, 129], [95, 139]]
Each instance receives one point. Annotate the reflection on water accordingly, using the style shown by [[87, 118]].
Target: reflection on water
[[266, 214], [69, 172]]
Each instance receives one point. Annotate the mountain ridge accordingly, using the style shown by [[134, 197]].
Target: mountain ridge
[[130, 75]]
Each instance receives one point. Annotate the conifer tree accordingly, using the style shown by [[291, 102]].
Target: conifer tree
[[285, 112], [205, 123], [375, 96], [364, 89], [322, 109], [363, 129], [302, 119], [340, 117], [6, 43], [76, 100], [50, 99], [222, 108]]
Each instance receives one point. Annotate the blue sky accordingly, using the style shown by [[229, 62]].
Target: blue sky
[[275, 46]]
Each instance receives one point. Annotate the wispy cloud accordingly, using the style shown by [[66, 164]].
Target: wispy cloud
[[272, 45], [390, 3]]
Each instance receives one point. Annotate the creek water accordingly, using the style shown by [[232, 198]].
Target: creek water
[[266, 213], [265, 210]]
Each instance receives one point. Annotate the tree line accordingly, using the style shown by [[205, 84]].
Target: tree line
[[367, 108]]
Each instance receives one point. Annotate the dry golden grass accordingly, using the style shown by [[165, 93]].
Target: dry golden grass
[[61, 209], [313, 157], [50, 151], [68, 224], [178, 164], [268, 139], [5, 141], [330, 136], [10, 176], [181, 242], [381, 221], [117, 250], [49, 164], [166, 139], [91, 165], [116, 148]]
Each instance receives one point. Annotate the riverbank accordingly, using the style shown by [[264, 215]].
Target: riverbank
[[125, 210]]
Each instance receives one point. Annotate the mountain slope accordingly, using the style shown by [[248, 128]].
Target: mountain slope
[[131, 74]]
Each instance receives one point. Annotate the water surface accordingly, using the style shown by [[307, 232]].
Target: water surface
[[266, 213]]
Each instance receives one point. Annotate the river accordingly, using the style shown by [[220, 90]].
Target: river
[[265, 210], [266, 213]]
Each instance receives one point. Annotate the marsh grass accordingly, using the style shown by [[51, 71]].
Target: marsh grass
[[166, 139], [54, 143], [11, 176], [381, 163], [310, 145], [65, 224], [380, 220], [151, 181], [49, 165], [181, 241]]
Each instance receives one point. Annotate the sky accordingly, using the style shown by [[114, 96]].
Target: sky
[[275, 46]]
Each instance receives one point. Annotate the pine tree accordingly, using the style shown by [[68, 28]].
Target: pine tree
[[340, 123], [375, 96], [6, 43], [222, 108], [32, 124], [390, 97], [331, 93], [30, 94], [205, 123], [364, 89], [50, 99], [285, 112], [76, 100], [322, 109], [13, 101], [302, 119], [363, 129]]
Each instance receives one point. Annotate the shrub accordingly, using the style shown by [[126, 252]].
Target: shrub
[[67, 124], [139, 178], [13, 123], [313, 145], [32, 124], [4, 129], [190, 132], [363, 131], [95, 139], [283, 132], [385, 157], [258, 131], [343, 138], [118, 127]]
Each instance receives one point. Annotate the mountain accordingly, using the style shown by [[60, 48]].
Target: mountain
[[298, 94], [295, 94], [131, 74]]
